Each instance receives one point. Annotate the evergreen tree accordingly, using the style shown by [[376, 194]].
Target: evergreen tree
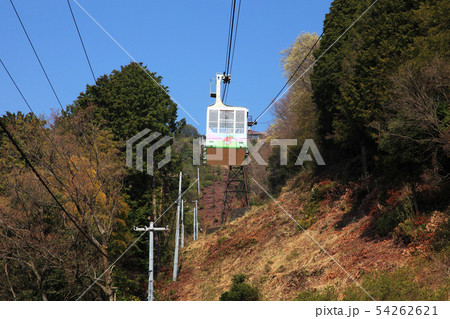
[[351, 81], [127, 102]]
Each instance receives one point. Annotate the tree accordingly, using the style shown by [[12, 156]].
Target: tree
[[296, 116], [416, 129], [433, 18], [240, 290], [126, 102], [189, 130], [87, 178], [351, 81]]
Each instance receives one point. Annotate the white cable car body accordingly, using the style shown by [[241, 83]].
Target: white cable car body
[[226, 131]]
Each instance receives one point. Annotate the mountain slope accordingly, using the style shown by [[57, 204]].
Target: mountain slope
[[280, 258]]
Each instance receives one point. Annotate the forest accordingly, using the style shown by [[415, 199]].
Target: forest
[[376, 103]]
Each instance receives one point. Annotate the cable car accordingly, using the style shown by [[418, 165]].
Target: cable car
[[226, 131]]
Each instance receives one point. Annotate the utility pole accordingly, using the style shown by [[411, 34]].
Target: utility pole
[[182, 223], [196, 220], [177, 233], [150, 229], [196, 208], [198, 184], [193, 223]]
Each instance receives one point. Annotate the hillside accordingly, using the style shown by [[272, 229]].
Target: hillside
[[210, 207], [282, 260], [352, 144]]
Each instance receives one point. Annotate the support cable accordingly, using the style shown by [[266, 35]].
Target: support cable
[[319, 57], [31, 110], [37, 56], [290, 78], [81, 39], [32, 167], [226, 89], [231, 45]]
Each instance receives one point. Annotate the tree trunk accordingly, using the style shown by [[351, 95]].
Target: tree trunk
[[108, 280], [162, 198], [9, 282], [414, 196], [364, 159], [38, 281], [154, 198], [158, 235]]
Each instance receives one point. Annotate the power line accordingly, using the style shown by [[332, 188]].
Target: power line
[[230, 38], [81, 39], [234, 47], [228, 52], [47, 77], [28, 162], [37, 57], [48, 80], [32, 111], [41, 179], [290, 78], [229, 48], [231, 44], [29, 107], [318, 58], [17, 87], [235, 36], [134, 243], [56, 149], [134, 60]]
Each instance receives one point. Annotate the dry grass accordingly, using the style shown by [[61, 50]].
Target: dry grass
[[278, 257]]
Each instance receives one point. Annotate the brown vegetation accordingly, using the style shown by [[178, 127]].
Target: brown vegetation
[[283, 261]]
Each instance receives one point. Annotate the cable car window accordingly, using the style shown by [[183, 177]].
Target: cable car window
[[240, 116], [213, 115], [226, 121], [240, 122], [226, 127], [227, 115], [213, 123], [239, 128]]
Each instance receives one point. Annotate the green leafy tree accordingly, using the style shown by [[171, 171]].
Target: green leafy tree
[[240, 290], [351, 81], [126, 102], [130, 100], [188, 130]]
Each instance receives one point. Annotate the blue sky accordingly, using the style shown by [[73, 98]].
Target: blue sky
[[183, 41]]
